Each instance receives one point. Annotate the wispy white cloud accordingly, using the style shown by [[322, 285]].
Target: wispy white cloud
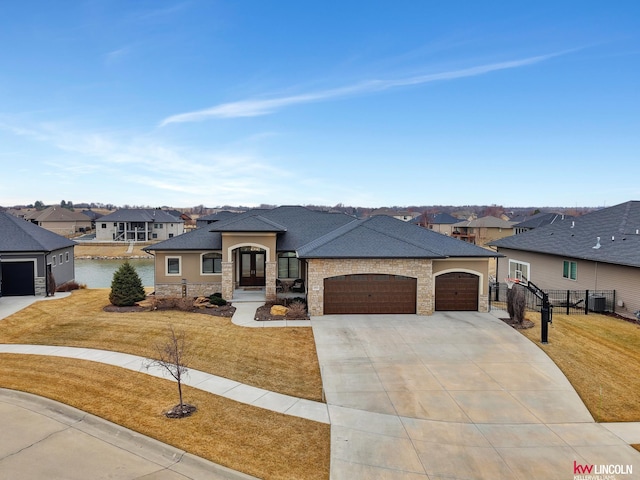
[[258, 107]]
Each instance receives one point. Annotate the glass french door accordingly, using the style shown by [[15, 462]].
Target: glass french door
[[252, 269]]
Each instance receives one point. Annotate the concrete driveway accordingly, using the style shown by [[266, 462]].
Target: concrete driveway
[[454, 395]]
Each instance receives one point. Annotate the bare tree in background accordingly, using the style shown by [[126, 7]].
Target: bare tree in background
[[172, 358]]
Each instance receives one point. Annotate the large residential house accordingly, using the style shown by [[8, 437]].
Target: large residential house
[[404, 215], [339, 263], [536, 221], [596, 251], [60, 220], [138, 225], [481, 231], [28, 253], [439, 222]]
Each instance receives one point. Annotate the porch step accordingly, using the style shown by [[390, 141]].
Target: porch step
[[253, 295]]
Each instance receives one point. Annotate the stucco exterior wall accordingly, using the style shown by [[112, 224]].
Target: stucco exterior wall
[[197, 283], [319, 269]]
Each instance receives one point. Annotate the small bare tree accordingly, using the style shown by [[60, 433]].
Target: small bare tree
[[172, 358]]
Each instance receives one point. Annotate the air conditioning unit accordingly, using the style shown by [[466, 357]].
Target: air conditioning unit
[[597, 303]]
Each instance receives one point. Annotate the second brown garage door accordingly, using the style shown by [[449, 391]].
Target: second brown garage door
[[457, 291], [369, 294]]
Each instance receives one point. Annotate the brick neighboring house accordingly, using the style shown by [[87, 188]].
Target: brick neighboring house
[[27, 253], [60, 220], [139, 225], [341, 264], [596, 251], [481, 231]]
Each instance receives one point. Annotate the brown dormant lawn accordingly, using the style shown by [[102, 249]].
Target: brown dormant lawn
[[282, 360], [600, 355], [259, 442], [111, 251], [253, 440]]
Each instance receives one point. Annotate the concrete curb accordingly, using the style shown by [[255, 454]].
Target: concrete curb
[[166, 456]]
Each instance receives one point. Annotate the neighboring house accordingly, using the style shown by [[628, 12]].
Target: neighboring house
[[538, 220], [404, 215], [27, 253], [481, 231], [597, 251], [439, 222], [139, 225], [214, 217], [60, 220], [376, 265]]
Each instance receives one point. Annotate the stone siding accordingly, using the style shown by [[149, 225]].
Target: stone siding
[[420, 269], [40, 285], [193, 289]]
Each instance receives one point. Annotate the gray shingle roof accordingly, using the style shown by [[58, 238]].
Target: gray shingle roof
[[386, 237], [315, 234], [256, 223], [541, 219], [618, 228], [140, 215], [18, 235]]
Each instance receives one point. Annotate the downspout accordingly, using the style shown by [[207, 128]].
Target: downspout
[[46, 274]]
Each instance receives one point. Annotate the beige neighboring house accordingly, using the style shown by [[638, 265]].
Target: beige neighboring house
[[60, 220], [339, 264], [597, 251], [481, 231], [138, 225]]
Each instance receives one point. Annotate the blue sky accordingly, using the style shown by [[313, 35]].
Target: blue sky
[[369, 104]]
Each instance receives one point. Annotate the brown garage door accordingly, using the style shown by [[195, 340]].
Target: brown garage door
[[369, 294], [457, 291]]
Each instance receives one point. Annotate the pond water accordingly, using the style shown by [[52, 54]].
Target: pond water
[[99, 273]]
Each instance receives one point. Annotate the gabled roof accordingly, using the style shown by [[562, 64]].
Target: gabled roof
[[58, 214], [141, 215], [617, 227], [386, 237], [19, 235], [540, 219], [485, 222]]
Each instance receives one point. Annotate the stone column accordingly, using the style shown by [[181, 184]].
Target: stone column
[[270, 275], [227, 280]]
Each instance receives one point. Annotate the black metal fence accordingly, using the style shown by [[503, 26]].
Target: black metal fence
[[570, 302]]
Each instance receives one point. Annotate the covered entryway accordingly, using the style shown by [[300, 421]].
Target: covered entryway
[[369, 293], [18, 278], [252, 267], [457, 291]]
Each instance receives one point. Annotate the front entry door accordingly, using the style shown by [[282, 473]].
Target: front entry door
[[252, 269]]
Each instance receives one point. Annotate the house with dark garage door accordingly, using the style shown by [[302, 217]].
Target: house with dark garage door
[[27, 253], [340, 264]]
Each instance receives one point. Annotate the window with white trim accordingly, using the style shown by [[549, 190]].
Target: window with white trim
[[211, 263], [519, 270], [569, 270], [173, 265]]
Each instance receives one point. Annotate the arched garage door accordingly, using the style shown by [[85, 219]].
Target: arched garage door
[[369, 293], [17, 278], [457, 291]]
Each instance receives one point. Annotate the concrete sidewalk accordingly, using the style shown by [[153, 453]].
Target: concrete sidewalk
[[46, 439], [454, 395]]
